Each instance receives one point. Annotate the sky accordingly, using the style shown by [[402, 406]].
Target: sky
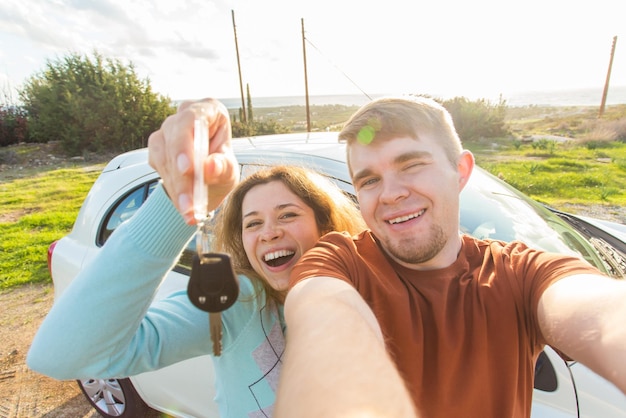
[[444, 48]]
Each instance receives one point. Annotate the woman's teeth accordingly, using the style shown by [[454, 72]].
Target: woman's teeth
[[277, 254]]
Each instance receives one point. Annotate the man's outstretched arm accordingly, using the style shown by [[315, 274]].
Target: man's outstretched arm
[[336, 364], [583, 316]]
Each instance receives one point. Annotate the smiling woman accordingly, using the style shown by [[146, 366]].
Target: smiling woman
[[303, 206]]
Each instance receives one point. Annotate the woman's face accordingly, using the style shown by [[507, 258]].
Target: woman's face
[[277, 228]]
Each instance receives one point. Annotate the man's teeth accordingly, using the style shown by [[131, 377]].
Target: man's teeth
[[405, 218], [277, 254]]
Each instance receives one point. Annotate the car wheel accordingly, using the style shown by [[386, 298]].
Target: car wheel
[[114, 397]]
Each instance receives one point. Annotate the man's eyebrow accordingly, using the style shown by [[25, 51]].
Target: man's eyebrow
[[412, 155], [407, 156], [361, 174]]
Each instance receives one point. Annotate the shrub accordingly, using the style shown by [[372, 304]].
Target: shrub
[[13, 125], [604, 131], [241, 129], [478, 119], [544, 144], [92, 104]]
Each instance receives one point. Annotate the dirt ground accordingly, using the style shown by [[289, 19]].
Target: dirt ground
[[24, 393]]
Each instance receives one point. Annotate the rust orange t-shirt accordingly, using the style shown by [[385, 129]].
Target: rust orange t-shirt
[[466, 337]]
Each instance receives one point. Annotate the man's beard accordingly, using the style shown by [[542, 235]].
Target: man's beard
[[418, 249]]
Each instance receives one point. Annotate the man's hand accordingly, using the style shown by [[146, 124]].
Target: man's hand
[[171, 155]]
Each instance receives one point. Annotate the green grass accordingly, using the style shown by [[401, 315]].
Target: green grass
[[35, 211], [566, 174]]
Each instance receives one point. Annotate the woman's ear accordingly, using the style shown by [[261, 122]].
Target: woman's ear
[[465, 166]]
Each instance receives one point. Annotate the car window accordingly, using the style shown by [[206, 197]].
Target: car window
[[124, 209]]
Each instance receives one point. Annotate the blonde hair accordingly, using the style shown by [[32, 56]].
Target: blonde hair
[[334, 211], [391, 117]]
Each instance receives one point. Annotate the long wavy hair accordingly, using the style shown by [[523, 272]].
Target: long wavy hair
[[334, 211]]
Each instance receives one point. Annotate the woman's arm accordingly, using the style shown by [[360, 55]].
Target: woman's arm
[[92, 329]]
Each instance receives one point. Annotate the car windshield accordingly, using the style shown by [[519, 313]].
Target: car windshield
[[492, 209]]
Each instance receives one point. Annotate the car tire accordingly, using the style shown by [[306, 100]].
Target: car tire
[[114, 398]]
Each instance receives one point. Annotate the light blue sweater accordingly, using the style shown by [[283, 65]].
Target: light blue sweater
[[115, 290]]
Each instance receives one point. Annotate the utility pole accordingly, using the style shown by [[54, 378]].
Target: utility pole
[[608, 77], [243, 102], [306, 81]]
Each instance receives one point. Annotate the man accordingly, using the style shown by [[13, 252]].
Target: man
[[463, 319]]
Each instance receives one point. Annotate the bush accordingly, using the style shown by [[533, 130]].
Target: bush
[[544, 144], [92, 104], [479, 119], [241, 129], [605, 130], [13, 126]]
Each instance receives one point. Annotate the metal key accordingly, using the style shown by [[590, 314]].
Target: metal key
[[213, 287], [215, 329]]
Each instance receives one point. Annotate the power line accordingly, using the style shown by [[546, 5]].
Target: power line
[[337, 67]]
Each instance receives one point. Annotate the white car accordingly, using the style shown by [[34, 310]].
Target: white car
[[489, 209]]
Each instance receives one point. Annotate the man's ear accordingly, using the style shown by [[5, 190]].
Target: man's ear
[[465, 166]]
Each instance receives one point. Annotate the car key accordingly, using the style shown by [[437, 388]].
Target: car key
[[213, 287]]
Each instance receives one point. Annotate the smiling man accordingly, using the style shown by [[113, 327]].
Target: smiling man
[[463, 319]]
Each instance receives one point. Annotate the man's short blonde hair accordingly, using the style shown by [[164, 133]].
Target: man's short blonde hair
[[411, 116]]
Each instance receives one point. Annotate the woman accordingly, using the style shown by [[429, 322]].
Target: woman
[[269, 220]]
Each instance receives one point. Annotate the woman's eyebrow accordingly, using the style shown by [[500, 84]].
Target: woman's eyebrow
[[251, 213], [277, 207]]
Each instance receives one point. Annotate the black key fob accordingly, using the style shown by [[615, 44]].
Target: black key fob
[[213, 285]]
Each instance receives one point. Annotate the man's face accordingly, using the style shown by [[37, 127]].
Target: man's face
[[408, 192]]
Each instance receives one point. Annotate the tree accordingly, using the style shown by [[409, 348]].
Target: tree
[[92, 104]]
